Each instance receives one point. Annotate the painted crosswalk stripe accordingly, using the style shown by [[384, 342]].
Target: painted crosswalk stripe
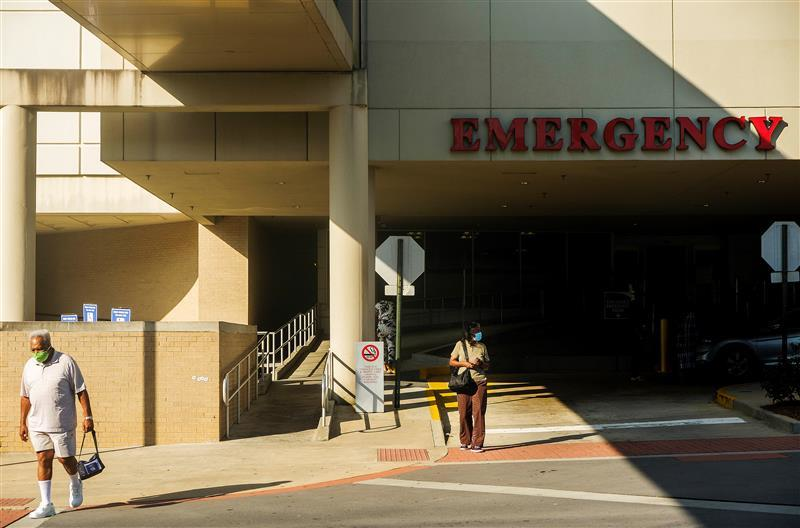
[[609, 426], [752, 507]]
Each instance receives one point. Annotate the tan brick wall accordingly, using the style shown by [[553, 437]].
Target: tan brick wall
[[224, 291], [139, 377], [151, 269]]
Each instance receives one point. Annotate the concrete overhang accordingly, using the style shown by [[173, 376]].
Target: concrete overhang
[[130, 90], [219, 35], [440, 191]]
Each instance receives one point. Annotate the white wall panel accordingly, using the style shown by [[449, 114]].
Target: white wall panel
[[57, 159], [39, 40], [429, 54], [57, 127], [737, 53]]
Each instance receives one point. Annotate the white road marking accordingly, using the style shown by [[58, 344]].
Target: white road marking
[[753, 507], [620, 457], [626, 425]]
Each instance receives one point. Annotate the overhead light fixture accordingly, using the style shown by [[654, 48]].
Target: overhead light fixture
[[523, 182], [764, 179], [281, 183], [504, 206], [706, 205], [296, 206], [200, 173]]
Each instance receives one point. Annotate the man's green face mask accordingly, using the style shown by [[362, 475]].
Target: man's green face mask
[[41, 355]]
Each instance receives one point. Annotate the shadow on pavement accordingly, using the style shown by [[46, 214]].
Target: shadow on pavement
[[167, 499]]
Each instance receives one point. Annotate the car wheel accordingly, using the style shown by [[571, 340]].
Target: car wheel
[[737, 364]]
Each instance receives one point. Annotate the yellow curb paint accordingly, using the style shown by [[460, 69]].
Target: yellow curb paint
[[433, 407], [724, 399]]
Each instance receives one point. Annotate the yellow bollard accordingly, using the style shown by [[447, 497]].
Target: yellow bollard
[[663, 365]]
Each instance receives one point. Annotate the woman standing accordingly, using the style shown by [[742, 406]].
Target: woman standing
[[470, 353]]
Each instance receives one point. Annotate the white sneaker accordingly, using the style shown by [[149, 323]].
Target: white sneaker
[[76, 494], [44, 510]]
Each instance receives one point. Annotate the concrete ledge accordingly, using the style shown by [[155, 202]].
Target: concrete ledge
[[727, 398], [133, 326], [323, 431]]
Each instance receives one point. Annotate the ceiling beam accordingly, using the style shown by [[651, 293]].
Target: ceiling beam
[[132, 90]]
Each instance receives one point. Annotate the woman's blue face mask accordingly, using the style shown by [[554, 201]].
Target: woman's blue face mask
[[478, 336]]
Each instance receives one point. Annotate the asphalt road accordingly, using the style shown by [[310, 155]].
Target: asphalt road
[[745, 491]]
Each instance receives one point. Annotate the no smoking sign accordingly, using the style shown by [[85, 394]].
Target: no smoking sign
[[369, 376], [370, 353]]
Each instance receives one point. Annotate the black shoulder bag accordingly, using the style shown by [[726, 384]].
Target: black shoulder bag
[[461, 383], [93, 466]]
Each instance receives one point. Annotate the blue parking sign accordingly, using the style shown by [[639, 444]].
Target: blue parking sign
[[90, 313], [121, 315], [69, 318]]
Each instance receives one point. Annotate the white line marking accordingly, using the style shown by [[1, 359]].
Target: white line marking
[[626, 425], [614, 457], [588, 495]]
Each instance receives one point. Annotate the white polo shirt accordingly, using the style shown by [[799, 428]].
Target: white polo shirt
[[51, 388]]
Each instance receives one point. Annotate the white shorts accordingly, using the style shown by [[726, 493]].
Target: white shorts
[[62, 443]]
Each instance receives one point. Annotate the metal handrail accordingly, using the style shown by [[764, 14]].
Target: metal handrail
[[270, 353]]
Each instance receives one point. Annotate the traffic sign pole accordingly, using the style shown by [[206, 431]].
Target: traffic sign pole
[[397, 330], [785, 290]]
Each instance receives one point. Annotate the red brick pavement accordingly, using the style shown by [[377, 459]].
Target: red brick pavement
[[403, 455], [539, 451]]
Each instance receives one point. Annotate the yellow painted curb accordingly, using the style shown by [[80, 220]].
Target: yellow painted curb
[[724, 398]]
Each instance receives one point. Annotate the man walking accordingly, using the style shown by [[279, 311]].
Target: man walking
[[50, 381]]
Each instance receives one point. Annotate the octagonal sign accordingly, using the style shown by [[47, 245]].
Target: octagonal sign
[[386, 260], [772, 246]]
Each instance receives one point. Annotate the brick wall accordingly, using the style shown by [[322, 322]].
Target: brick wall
[[146, 380], [223, 251], [151, 269]]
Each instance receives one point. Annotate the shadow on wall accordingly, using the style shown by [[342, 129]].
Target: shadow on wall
[[151, 269]]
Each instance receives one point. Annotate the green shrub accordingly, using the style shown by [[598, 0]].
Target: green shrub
[[782, 382]]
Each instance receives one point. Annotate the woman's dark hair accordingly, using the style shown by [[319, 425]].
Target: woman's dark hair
[[468, 327]]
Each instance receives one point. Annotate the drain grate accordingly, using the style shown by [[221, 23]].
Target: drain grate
[[403, 455], [5, 503]]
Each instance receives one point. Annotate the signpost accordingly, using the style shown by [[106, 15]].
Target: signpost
[[121, 315], [69, 318], [780, 248], [369, 376], [399, 260], [90, 313]]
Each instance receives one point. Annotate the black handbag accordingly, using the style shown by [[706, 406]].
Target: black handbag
[[93, 466], [462, 383]]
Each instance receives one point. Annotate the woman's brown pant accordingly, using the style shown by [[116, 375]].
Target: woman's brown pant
[[471, 414]]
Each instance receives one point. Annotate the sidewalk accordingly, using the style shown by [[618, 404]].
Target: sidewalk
[[273, 449]]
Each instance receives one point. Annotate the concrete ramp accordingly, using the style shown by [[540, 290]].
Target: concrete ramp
[[291, 406]]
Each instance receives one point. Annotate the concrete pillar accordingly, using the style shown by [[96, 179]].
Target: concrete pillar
[[349, 241], [17, 214], [369, 263]]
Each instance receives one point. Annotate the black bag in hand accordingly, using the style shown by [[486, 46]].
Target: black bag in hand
[[462, 383], [93, 466]]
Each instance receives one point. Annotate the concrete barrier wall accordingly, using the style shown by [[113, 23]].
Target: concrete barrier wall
[[150, 383]]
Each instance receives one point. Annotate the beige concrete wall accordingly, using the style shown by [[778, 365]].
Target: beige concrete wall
[[430, 61], [151, 269], [224, 272], [147, 381]]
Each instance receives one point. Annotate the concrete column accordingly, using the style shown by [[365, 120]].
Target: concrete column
[[348, 223], [17, 214], [369, 263]]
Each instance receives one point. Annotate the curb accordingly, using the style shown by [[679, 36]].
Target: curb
[[782, 423]]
